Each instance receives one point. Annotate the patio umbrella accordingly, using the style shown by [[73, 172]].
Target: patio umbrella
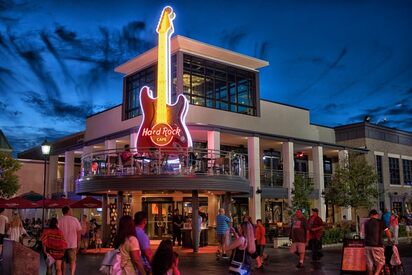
[[87, 202], [18, 203], [59, 203], [32, 196]]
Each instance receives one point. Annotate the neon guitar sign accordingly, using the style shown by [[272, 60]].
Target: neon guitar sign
[[163, 122]]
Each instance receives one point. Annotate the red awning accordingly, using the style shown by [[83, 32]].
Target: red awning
[[87, 202], [59, 203], [18, 202]]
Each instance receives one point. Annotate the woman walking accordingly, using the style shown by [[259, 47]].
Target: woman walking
[[165, 261], [16, 229], [243, 246], [129, 248], [54, 245]]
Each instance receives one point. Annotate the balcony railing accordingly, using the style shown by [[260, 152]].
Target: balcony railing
[[163, 161], [271, 178]]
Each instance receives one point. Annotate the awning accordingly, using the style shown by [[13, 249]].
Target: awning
[[32, 196], [59, 203], [87, 202], [18, 203]]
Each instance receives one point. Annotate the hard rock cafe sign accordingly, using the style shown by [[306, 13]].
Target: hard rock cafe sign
[[163, 123]]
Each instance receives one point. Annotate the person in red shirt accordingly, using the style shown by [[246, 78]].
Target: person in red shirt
[[260, 241], [315, 234]]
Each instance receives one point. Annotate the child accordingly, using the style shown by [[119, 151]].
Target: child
[[98, 238]]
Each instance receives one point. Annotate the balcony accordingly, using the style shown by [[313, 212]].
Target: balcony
[[271, 178], [167, 168]]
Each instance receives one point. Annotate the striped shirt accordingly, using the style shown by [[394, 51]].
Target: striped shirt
[[222, 222]]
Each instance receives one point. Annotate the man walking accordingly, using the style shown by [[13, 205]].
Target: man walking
[[316, 225], [298, 235], [71, 230], [222, 231], [374, 251], [140, 221], [4, 223], [177, 226]]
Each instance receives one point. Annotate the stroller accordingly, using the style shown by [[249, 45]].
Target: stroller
[[393, 264]]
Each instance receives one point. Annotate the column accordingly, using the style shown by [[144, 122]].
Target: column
[[317, 153], [133, 141], [227, 203], [212, 209], [119, 206], [68, 171], [195, 221], [53, 166], [105, 225], [136, 201], [288, 168], [343, 157], [253, 149], [110, 144], [213, 140]]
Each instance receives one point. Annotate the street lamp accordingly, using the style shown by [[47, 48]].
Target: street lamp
[[45, 149]]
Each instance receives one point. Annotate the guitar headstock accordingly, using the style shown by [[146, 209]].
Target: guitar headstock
[[166, 20]]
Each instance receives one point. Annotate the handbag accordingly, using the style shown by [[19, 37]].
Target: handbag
[[235, 266], [49, 260]]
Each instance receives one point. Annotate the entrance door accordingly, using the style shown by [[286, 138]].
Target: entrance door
[[159, 224]]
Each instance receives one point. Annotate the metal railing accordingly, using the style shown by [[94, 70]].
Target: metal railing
[[272, 177], [163, 161]]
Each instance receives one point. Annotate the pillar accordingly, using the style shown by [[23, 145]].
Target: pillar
[[318, 173], [136, 201], [105, 224], [195, 221], [288, 169], [68, 171], [343, 157], [133, 141], [212, 209], [213, 140], [254, 177], [119, 205], [110, 144], [52, 183]]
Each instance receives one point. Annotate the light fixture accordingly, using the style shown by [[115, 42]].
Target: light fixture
[[258, 190], [45, 148]]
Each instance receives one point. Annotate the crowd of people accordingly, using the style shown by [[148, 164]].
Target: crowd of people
[[64, 237]]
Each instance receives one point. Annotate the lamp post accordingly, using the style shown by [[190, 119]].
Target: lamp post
[[45, 149]]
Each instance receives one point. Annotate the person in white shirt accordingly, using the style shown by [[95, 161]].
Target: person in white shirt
[[71, 230], [4, 223]]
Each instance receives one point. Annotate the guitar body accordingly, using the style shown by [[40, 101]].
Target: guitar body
[[169, 133]]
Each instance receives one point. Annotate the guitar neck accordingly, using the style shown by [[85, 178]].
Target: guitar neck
[[163, 78]]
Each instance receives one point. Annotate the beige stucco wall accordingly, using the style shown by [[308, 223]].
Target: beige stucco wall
[[275, 119], [30, 176]]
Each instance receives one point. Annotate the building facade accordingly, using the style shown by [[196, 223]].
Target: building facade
[[390, 152]]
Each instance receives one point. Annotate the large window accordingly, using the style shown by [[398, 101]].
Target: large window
[[394, 171], [145, 77], [379, 170], [407, 171], [214, 85]]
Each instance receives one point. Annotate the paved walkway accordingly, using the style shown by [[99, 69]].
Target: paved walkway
[[280, 262]]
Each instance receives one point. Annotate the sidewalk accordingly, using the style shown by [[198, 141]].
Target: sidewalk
[[280, 262]]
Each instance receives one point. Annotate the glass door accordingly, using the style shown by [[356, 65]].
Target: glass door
[[159, 223]]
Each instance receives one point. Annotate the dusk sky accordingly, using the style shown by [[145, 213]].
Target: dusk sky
[[340, 59]]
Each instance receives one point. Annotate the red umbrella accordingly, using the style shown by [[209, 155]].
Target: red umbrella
[[59, 203], [19, 203], [87, 202]]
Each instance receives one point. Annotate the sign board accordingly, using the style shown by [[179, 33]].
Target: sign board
[[353, 256], [164, 121]]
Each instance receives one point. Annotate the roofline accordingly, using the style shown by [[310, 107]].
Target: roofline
[[105, 110], [368, 124], [284, 104], [185, 44]]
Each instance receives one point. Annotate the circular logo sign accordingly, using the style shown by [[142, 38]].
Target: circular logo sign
[[162, 134]]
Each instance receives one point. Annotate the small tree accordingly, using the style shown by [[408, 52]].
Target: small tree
[[301, 192], [353, 184], [9, 182]]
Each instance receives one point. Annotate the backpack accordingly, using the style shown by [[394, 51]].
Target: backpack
[[111, 264]]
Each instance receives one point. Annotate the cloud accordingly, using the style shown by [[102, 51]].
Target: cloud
[[231, 39], [261, 49], [329, 68], [5, 111]]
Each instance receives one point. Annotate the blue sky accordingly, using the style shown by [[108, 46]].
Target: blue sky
[[340, 59]]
